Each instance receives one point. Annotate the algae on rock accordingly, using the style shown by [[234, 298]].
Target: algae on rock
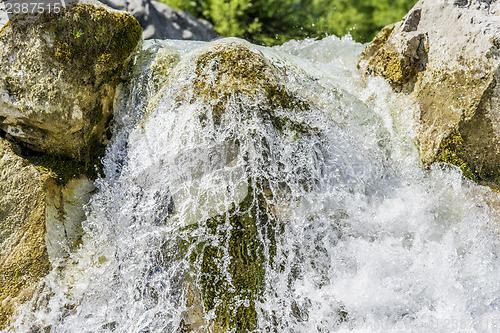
[[57, 91], [232, 294]]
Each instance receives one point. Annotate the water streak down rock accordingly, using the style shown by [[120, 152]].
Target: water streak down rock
[[447, 55]]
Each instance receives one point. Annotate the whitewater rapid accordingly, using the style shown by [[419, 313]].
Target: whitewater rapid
[[367, 238]]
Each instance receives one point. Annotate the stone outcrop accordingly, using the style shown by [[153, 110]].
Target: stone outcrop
[[58, 77], [159, 21], [446, 54], [40, 223]]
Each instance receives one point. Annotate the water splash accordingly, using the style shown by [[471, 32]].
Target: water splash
[[296, 204]]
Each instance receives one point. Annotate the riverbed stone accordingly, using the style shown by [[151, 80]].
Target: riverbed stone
[[446, 55]]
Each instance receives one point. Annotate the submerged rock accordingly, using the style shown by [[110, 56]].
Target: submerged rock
[[228, 230], [58, 77], [447, 56]]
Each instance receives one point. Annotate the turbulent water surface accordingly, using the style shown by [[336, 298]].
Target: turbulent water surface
[[354, 233]]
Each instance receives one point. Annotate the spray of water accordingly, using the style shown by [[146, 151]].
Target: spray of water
[[272, 190]]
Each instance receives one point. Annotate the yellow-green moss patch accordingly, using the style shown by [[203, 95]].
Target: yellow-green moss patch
[[451, 151], [233, 69], [229, 265]]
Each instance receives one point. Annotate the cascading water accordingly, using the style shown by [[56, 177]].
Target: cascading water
[[272, 190]]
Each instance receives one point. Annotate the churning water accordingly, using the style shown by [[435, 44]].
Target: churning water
[[225, 207]]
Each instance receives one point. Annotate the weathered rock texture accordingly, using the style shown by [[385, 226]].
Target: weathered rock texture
[[447, 55], [23, 255], [159, 21], [58, 77], [32, 202]]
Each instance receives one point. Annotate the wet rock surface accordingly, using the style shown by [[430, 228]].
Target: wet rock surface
[[446, 55]]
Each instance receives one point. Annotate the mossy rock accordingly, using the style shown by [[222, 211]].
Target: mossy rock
[[228, 250], [232, 69], [57, 92], [230, 277]]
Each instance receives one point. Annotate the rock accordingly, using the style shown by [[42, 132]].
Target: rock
[[23, 256], [64, 214], [146, 74], [40, 223], [159, 21], [222, 84], [446, 54], [59, 76]]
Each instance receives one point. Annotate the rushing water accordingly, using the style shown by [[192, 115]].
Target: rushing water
[[352, 232]]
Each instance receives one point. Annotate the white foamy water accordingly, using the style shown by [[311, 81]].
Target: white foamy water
[[355, 234]]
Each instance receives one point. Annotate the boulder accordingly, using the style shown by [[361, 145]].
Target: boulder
[[40, 222], [58, 77], [446, 54], [221, 84], [57, 85], [159, 21]]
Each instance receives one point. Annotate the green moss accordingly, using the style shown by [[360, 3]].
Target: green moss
[[451, 151], [86, 37], [231, 262], [62, 169], [62, 51], [233, 69]]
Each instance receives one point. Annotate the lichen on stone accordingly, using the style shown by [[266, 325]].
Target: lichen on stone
[[23, 256]]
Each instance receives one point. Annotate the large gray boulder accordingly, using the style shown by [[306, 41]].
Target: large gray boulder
[[446, 54], [159, 21]]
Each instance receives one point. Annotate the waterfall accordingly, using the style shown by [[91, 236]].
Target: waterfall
[[272, 190]]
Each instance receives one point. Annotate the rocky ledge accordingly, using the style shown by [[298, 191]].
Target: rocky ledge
[[446, 54], [58, 76]]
